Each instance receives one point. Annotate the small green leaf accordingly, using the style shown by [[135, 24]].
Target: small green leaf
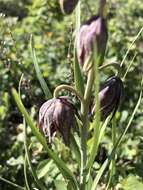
[[78, 78], [44, 167], [60, 185], [75, 147], [131, 183]]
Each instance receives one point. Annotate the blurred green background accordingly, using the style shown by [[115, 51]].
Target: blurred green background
[[53, 36]]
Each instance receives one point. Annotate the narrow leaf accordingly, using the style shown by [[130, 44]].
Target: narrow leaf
[[78, 78], [44, 168], [33, 171], [12, 184], [128, 51], [38, 72]]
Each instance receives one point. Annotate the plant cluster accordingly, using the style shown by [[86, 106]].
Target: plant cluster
[[82, 125]]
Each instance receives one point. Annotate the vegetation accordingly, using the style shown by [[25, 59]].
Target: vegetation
[[37, 35]]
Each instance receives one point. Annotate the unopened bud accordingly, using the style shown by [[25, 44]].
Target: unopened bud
[[93, 34], [110, 97]]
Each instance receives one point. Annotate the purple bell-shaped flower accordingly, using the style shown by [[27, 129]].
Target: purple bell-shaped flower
[[93, 34], [57, 115], [110, 97]]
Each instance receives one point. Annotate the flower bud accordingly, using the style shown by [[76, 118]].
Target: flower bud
[[67, 6], [110, 97], [57, 115], [93, 34]]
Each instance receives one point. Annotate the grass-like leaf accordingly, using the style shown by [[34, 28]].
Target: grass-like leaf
[[96, 122], [78, 78], [128, 51], [75, 148], [12, 184], [44, 168], [38, 71], [33, 171], [129, 66], [60, 164]]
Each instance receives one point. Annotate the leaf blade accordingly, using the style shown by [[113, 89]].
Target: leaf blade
[[38, 71], [60, 164]]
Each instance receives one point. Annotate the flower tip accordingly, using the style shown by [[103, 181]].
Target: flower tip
[[67, 6]]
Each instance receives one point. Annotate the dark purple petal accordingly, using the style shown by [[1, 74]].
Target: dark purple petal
[[68, 6], [92, 33], [110, 97], [57, 115]]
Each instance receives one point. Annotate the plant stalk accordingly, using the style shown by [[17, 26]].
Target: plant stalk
[[84, 128]]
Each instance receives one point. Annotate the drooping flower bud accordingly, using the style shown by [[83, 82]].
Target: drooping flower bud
[[93, 34], [67, 6], [57, 115], [110, 97]]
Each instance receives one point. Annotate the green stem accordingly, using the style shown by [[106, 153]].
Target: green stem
[[69, 88], [25, 174], [132, 61], [130, 47], [12, 184], [113, 162], [114, 138], [84, 128], [114, 64], [19, 85]]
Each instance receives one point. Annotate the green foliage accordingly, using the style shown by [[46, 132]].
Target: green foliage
[[131, 183], [53, 34]]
